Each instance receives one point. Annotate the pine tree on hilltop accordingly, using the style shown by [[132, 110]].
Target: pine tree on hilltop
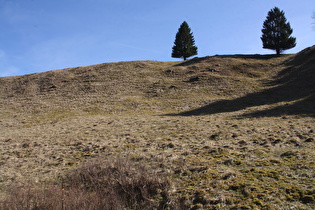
[[277, 32], [184, 45]]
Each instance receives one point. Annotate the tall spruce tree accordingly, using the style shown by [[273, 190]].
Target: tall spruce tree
[[184, 44], [276, 32]]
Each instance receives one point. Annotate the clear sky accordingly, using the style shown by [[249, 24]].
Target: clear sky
[[42, 35]]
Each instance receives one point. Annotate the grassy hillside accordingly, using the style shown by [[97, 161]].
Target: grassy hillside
[[226, 132]]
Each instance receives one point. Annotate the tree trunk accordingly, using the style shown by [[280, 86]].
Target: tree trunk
[[278, 51]]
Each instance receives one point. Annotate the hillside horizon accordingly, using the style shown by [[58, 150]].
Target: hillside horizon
[[225, 131], [179, 60], [194, 71]]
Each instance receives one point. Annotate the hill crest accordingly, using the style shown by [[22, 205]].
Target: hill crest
[[197, 81]]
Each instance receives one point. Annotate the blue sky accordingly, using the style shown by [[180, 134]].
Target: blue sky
[[42, 35]]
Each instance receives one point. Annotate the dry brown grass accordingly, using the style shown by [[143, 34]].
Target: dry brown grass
[[116, 183], [240, 136]]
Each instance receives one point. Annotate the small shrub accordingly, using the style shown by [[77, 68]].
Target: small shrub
[[98, 184]]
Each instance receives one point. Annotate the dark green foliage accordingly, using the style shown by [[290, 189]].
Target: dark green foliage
[[184, 45], [277, 32]]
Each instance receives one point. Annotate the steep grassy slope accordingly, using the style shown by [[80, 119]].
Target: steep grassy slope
[[229, 131], [122, 86]]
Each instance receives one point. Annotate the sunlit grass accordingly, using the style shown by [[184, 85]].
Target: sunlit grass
[[53, 122]]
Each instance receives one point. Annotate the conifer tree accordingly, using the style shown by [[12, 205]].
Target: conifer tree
[[276, 32], [184, 44]]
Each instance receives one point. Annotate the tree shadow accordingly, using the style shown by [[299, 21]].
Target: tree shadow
[[294, 84]]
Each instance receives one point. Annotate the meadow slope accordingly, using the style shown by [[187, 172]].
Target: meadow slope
[[230, 132]]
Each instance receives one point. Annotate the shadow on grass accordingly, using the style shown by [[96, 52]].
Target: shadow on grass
[[295, 84]]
